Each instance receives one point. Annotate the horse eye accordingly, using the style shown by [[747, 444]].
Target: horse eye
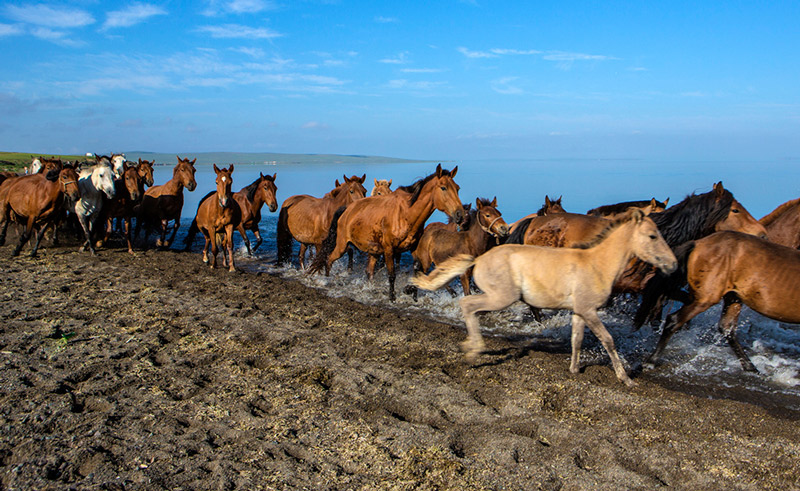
[[444, 188], [653, 237], [734, 210]]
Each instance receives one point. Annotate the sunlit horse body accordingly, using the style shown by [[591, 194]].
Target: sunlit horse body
[[391, 224], [737, 269], [548, 208], [437, 244], [219, 215], [37, 201], [163, 203], [128, 193], [381, 187], [783, 224], [307, 219], [578, 279]]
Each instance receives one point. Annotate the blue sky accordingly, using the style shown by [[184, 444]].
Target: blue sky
[[441, 80]]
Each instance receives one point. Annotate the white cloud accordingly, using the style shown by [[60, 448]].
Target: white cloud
[[422, 70], [386, 20], [499, 51], [315, 125], [44, 15], [503, 86], [252, 52], [476, 54], [400, 59], [217, 7], [564, 56], [418, 86], [239, 32], [10, 30], [131, 15]]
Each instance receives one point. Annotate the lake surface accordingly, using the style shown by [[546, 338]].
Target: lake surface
[[698, 358]]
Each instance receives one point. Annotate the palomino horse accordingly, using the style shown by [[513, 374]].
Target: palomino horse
[[219, 215], [164, 202], [38, 201], [390, 224], [615, 210], [94, 182], [783, 224], [437, 244], [307, 219], [381, 188], [578, 279], [128, 192], [737, 268]]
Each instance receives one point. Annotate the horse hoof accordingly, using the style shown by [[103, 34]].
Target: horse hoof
[[629, 382]]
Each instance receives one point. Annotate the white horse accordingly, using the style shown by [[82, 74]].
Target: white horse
[[36, 165], [116, 161], [93, 182]]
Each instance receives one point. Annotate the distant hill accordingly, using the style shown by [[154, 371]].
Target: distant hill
[[267, 158]]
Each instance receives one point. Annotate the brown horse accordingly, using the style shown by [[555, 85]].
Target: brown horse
[[388, 225], [38, 201], [145, 170], [616, 210], [548, 208], [128, 193], [164, 202], [783, 224], [307, 219], [737, 268], [579, 279], [438, 243], [217, 215], [381, 188]]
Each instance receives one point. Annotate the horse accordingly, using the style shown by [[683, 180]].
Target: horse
[[94, 182], [381, 188], [783, 224], [164, 202], [439, 243], [115, 161], [737, 269], [128, 192], [38, 200], [219, 215], [580, 279], [612, 211], [388, 225], [549, 207], [145, 170], [307, 219]]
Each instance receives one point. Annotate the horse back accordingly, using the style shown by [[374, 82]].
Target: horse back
[[250, 217], [563, 229], [784, 229], [34, 197]]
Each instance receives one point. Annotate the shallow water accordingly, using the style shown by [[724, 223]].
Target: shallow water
[[698, 358]]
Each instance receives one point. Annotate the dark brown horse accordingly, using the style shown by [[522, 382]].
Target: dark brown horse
[[128, 193], [145, 170], [484, 224], [164, 202], [548, 208], [219, 214], [615, 210], [737, 269], [251, 198], [783, 224], [38, 202], [307, 219], [390, 224]]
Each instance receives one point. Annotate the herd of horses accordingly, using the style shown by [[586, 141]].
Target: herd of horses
[[700, 251]]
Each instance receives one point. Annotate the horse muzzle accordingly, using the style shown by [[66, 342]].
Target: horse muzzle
[[669, 266], [458, 216]]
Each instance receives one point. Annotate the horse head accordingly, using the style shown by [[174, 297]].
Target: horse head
[[51, 168], [551, 206], [36, 165], [145, 170], [68, 180], [490, 219], [117, 159], [269, 191], [738, 218], [103, 180], [354, 186], [184, 172], [382, 188], [649, 245], [445, 193], [224, 182], [132, 181]]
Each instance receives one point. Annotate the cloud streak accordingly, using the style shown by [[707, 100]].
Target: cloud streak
[[132, 15], [237, 31], [53, 17]]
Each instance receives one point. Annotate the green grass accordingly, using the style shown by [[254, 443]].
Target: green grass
[[15, 161]]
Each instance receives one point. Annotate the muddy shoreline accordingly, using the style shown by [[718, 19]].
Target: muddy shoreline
[[154, 372]]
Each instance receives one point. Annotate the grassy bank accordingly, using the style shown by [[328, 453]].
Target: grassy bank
[[15, 161]]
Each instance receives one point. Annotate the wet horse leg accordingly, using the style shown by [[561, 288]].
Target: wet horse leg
[[127, 222], [86, 225], [214, 247], [676, 320], [257, 233], [388, 257], [731, 307], [243, 233], [301, 257], [39, 236], [599, 330], [177, 224], [229, 247], [205, 246], [489, 301]]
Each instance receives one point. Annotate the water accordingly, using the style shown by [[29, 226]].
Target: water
[[697, 358]]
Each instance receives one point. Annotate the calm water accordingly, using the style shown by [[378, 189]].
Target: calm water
[[697, 357]]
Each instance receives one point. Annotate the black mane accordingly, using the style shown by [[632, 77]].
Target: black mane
[[252, 188], [620, 207], [694, 217]]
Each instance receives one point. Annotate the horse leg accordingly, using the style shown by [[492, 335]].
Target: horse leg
[[205, 247], [731, 307], [489, 301], [86, 225], [599, 330], [174, 230], [229, 245], [388, 257], [675, 321], [161, 242], [39, 236], [302, 256], [242, 232], [214, 247], [578, 328], [410, 289], [465, 282], [350, 258], [26, 234], [371, 262], [257, 233], [127, 223], [4, 213]]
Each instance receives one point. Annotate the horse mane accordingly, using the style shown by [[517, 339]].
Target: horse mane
[[251, 188], [620, 207], [693, 217], [774, 214], [603, 234], [416, 188]]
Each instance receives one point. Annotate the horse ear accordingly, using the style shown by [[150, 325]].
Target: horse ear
[[363, 178], [439, 170], [390, 182], [230, 168], [494, 202], [547, 200], [193, 161], [337, 183], [453, 172], [177, 157], [140, 161], [124, 165], [718, 188], [345, 178], [376, 181], [559, 199], [637, 215], [478, 203], [274, 176], [666, 202], [216, 169]]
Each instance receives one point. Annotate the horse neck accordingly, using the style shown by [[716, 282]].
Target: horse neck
[[477, 236], [421, 209], [258, 199], [340, 198], [778, 212], [173, 186]]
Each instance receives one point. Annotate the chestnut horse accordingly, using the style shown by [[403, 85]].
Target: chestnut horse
[[438, 243], [783, 224], [390, 224], [307, 219], [128, 192], [219, 214], [145, 170], [737, 268], [38, 201], [579, 279], [164, 202], [548, 208], [381, 188]]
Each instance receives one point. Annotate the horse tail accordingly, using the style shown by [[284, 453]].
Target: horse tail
[[665, 287], [191, 234], [518, 235], [283, 236], [328, 245], [444, 273]]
